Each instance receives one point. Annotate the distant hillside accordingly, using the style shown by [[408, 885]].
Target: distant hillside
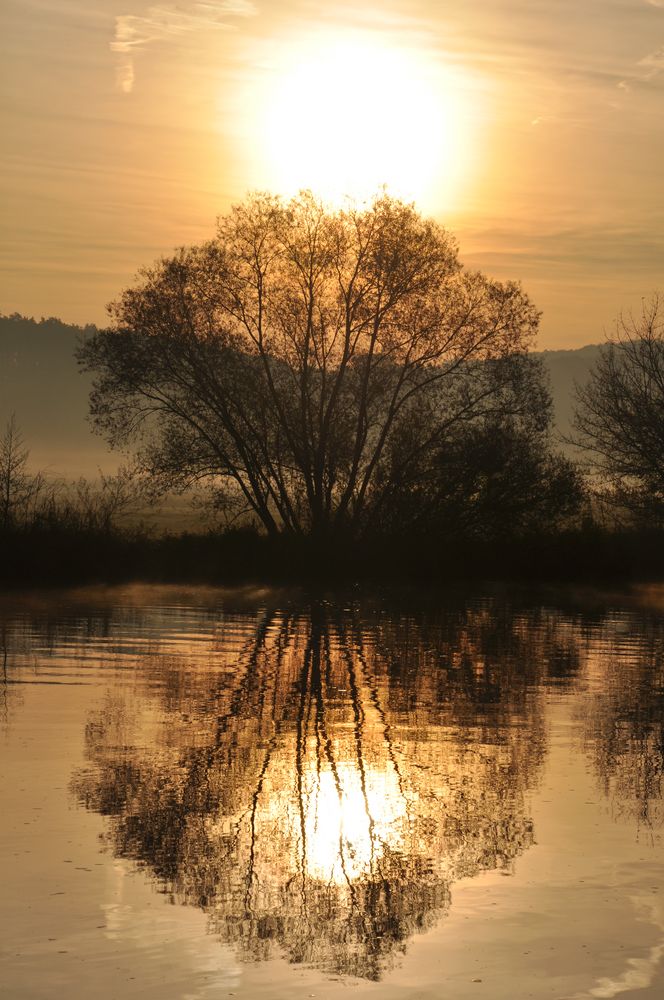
[[40, 382], [566, 368]]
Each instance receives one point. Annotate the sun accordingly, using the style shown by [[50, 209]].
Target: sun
[[347, 114]]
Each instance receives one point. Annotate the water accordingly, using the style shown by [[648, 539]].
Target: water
[[269, 794]]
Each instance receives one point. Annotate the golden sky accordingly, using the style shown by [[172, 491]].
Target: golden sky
[[533, 129]]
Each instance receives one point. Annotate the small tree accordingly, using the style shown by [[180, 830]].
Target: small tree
[[287, 356], [19, 488], [99, 504], [619, 416]]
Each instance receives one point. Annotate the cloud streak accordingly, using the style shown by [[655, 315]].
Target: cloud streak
[[162, 22], [653, 63], [650, 66]]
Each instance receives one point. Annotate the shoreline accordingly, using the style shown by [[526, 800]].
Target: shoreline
[[590, 555]]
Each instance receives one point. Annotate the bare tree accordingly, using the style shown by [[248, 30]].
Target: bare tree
[[99, 504], [619, 417], [29, 499], [286, 355], [19, 488]]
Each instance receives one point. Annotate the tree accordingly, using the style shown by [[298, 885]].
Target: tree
[[619, 416], [19, 488], [494, 475], [286, 358], [31, 501], [495, 478]]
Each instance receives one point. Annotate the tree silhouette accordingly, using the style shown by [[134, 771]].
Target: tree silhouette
[[619, 418], [19, 488], [285, 360], [492, 478]]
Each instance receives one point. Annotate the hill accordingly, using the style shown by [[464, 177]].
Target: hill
[[566, 368], [40, 383]]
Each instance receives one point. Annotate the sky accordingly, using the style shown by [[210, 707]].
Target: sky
[[532, 129]]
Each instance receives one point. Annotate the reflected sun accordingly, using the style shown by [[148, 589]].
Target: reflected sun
[[346, 115], [350, 818]]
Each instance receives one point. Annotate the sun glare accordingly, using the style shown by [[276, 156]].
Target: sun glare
[[347, 115], [348, 825]]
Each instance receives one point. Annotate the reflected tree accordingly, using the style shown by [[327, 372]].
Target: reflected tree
[[322, 797], [315, 777], [624, 723]]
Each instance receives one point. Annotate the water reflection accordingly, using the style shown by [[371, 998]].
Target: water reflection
[[623, 718], [4, 678], [322, 795], [316, 776]]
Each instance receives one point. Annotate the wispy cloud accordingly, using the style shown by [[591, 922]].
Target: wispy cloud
[[647, 68], [653, 63], [133, 32]]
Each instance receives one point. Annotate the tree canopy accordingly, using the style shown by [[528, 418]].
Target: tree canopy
[[619, 418], [307, 362]]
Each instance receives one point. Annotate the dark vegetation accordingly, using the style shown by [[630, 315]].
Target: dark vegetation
[[61, 555], [354, 404], [619, 419], [63, 533]]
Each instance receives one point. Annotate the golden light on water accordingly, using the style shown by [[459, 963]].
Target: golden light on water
[[350, 818], [347, 114]]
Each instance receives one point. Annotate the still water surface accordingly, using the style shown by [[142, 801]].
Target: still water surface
[[268, 794]]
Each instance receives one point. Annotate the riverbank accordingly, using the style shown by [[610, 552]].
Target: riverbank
[[45, 557]]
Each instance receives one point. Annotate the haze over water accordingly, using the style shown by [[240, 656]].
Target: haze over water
[[272, 794]]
